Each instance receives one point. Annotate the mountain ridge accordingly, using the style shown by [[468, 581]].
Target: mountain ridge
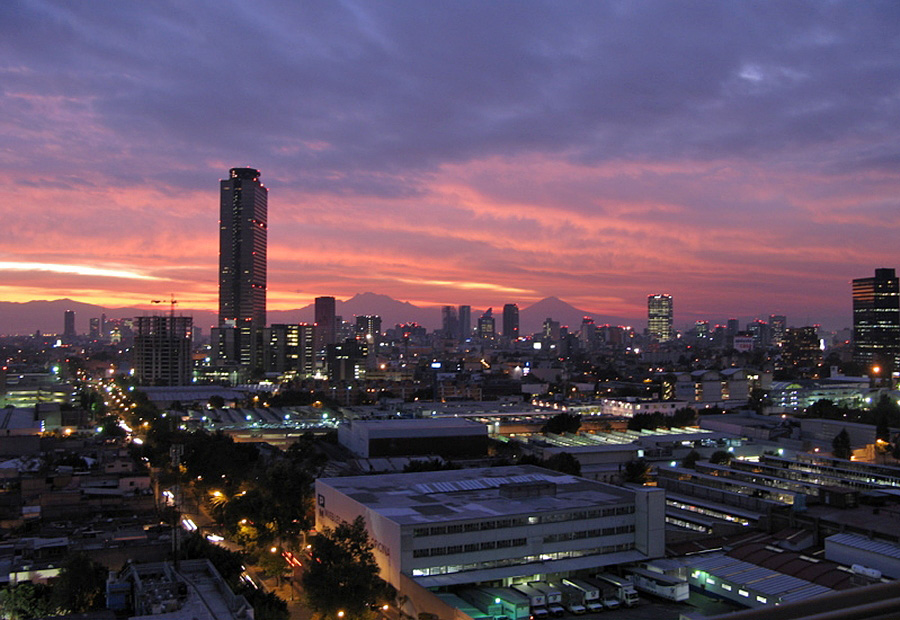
[[46, 316]]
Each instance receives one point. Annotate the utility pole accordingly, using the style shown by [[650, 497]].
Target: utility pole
[[176, 451]]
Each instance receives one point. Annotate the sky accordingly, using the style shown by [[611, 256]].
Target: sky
[[743, 157]]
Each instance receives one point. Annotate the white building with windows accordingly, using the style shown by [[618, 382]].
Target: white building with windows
[[470, 526]]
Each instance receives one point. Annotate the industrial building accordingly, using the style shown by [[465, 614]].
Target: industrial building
[[450, 528], [445, 437]]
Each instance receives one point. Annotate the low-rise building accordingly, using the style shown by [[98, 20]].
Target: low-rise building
[[630, 407], [497, 524], [442, 436]]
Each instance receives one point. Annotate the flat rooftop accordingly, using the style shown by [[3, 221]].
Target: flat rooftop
[[462, 494], [419, 424]]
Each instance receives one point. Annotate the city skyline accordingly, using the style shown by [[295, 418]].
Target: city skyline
[[452, 155]]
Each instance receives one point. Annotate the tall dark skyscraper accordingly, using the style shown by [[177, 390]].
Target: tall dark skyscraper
[[510, 322], [326, 322], [876, 320], [464, 316], [659, 315], [243, 216], [69, 325], [449, 322]]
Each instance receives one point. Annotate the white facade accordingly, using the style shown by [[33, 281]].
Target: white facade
[[470, 526], [629, 407], [845, 548]]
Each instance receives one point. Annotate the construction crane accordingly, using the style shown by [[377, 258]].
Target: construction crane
[[172, 301]]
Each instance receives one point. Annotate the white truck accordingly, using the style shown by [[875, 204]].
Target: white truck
[[622, 587], [665, 586], [572, 598], [553, 596], [536, 599], [498, 602], [591, 592]]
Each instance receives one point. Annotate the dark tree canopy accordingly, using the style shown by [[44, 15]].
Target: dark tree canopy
[[562, 423], [81, 585], [840, 445], [26, 601], [564, 462], [690, 461], [686, 416], [720, 457], [343, 575], [636, 472], [428, 465]]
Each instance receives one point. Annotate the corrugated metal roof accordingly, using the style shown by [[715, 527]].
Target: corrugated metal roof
[[865, 544], [758, 578]]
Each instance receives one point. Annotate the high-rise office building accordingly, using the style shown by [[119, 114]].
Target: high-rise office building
[[368, 328], [243, 226], [486, 329], [550, 329], [801, 349], [659, 314], [876, 321], [326, 322], [162, 350], [777, 323], [69, 325], [511, 322], [288, 348], [464, 316], [761, 332], [242, 249], [702, 329], [449, 322]]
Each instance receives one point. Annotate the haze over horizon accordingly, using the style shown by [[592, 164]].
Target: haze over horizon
[[741, 157]]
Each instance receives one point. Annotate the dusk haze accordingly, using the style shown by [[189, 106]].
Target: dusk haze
[[741, 157]]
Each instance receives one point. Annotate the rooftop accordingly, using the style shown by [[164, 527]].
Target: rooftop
[[456, 495]]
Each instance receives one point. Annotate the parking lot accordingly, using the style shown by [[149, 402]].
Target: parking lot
[[652, 608]]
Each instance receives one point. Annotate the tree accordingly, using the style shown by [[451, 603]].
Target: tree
[[565, 463], [343, 575], [272, 563], [686, 416], [649, 421], [840, 445], [720, 457], [216, 402], [822, 408], [109, 427], [81, 585], [562, 423], [26, 601], [228, 563], [266, 605], [636, 472], [690, 461], [428, 465]]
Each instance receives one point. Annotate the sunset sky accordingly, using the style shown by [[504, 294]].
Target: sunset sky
[[741, 156]]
